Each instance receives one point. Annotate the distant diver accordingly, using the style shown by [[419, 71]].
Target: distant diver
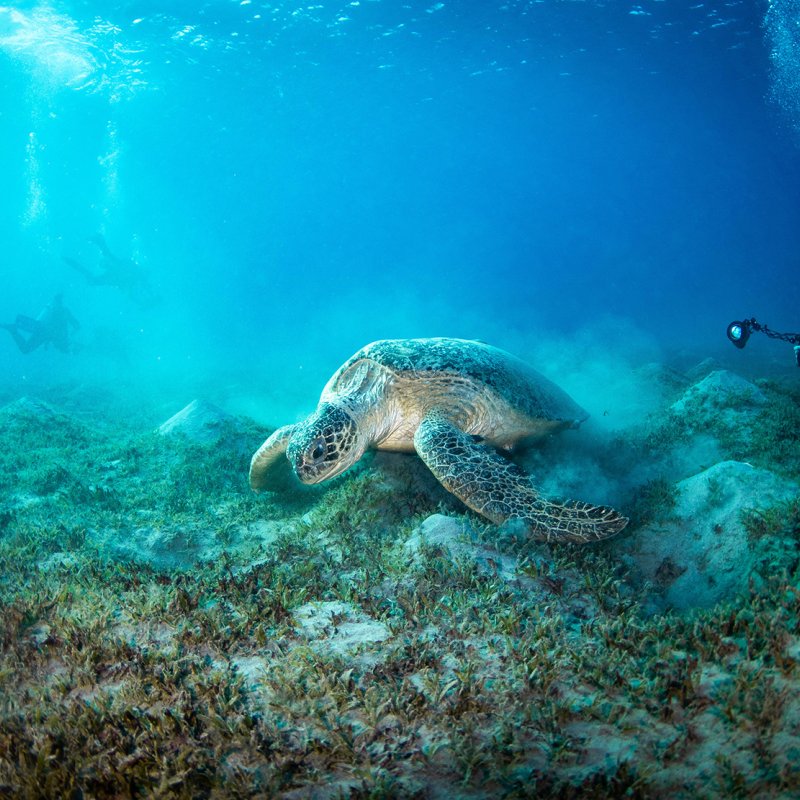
[[123, 273], [52, 326]]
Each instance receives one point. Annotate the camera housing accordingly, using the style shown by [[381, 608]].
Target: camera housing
[[738, 333]]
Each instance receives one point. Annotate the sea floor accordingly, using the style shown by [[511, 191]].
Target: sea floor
[[164, 632]]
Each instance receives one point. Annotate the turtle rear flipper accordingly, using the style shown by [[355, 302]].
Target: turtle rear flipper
[[265, 457], [499, 490]]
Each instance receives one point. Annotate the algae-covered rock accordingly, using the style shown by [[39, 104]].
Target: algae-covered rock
[[541, 579], [720, 389], [338, 628], [454, 537], [28, 407], [200, 422], [702, 554]]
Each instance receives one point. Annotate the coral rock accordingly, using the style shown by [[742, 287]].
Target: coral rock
[[718, 389], [200, 422], [453, 537], [339, 628], [702, 554]]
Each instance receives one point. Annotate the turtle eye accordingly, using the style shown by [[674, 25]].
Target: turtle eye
[[318, 449]]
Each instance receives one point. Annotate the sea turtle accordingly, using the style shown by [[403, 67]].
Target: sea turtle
[[455, 403]]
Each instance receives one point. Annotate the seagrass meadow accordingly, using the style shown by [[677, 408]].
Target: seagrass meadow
[[206, 208], [167, 633]]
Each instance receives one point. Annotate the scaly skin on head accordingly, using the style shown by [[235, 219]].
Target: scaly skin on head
[[334, 437], [325, 444], [319, 448]]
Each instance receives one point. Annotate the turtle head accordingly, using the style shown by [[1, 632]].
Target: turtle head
[[326, 444]]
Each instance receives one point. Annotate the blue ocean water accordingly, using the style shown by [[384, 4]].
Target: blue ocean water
[[300, 179]]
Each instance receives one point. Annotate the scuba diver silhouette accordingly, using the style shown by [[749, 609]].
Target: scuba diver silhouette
[[52, 326], [123, 273]]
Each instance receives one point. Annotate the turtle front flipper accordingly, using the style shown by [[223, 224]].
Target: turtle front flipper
[[265, 457], [501, 491]]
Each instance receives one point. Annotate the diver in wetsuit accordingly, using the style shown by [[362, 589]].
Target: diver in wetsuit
[[124, 273], [52, 326]]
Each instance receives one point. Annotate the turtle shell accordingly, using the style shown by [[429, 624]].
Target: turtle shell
[[471, 364]]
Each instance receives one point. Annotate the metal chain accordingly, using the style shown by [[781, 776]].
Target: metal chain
[[792, 338]]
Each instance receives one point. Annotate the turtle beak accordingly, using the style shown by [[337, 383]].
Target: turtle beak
[[305, 471], [310, 472]]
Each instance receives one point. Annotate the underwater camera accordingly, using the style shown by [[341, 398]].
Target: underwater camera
[[739, 332]]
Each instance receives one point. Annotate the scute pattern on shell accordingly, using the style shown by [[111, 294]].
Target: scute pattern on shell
[[481, 365]]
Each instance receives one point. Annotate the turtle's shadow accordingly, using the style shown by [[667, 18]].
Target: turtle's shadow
[[292, 496], [407, 473]]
